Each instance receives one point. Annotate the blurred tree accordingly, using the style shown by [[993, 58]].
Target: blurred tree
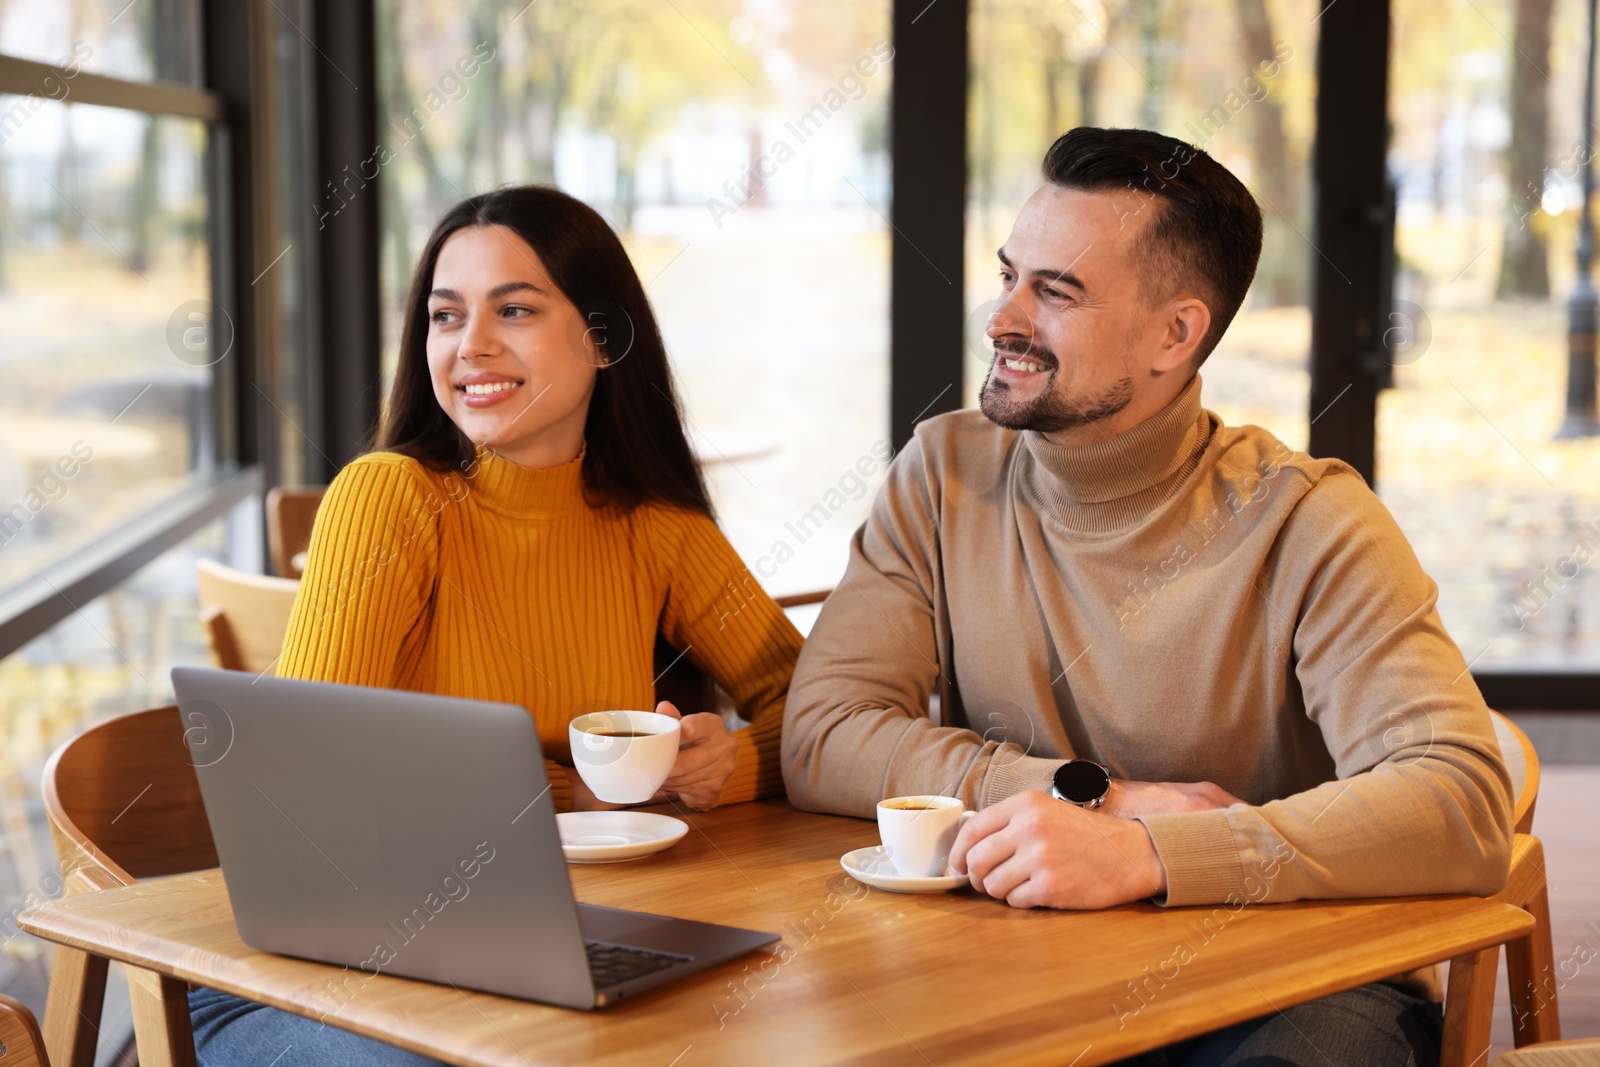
[[559, 38], [170, 63], [1524, 265], [1148, 16], [622, 68], [484, 127], [659, 60], [1266, 114], [66, 178], [826, 37], [395, 104], [983, 112], [1282, 275], [1089, 42], [1056, 66], [1020, 61]]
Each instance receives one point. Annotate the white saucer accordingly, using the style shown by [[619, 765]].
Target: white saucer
[[872, 866], [610, 836]]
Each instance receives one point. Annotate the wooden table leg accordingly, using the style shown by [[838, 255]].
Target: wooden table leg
[[72, 1008], [1471, 1011], [160, 1019]]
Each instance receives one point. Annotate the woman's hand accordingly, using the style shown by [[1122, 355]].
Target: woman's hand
[[705, 758]]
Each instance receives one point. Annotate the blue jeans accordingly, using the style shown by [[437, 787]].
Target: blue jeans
[[231, 1032], [1378, 1025]]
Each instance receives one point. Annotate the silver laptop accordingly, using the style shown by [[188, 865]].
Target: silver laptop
[[410, 834]]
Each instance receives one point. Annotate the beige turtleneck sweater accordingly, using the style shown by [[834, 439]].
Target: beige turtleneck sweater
[[1183, 602]]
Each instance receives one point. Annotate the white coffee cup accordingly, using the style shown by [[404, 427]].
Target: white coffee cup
[[919, 831], [624, 756]]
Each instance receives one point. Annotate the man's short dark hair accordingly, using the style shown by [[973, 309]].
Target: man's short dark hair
[[1207, 237]]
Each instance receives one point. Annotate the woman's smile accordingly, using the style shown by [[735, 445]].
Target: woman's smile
[[481, 389]]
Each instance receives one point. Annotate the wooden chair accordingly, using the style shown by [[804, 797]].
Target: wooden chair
[[1581, 1053], [245, 616], [1530, 961], [124, 804], [21, 1044], [800, 600], [690, 689], [291, 512]]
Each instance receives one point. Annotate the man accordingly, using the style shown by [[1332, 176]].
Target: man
[[1231, 642]]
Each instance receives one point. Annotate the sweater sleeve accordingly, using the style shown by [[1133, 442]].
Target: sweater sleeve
[[1422, 800], [857, 726], [731, 629], [369, 574]]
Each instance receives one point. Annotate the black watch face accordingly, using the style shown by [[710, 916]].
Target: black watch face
[[1081, 781]]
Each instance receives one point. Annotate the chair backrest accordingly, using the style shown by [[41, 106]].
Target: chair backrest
[[20, 1041], [291, 512], [245, 616], [1522, 762], [124, 803], [800, 600], [1582, 1052]]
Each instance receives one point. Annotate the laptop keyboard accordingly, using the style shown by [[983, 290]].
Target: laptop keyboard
[[614, 964]]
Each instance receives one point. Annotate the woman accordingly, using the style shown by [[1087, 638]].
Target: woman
[[531, 519]]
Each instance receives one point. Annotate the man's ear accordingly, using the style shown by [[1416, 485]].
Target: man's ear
[[1188, 321]]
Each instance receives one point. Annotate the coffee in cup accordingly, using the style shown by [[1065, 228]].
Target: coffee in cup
[[624, 756], [918, 833]]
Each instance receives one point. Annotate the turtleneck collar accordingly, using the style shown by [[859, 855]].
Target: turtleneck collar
[[1115, 482], [527, 492]]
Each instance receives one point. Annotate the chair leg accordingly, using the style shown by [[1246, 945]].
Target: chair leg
[[72, 1008], [1531, 973], [160, 1019], [1471, 1008]]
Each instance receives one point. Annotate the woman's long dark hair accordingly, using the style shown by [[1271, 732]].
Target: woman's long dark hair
[[636, 448]]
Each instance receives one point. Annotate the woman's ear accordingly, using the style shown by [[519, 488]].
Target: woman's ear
[[591, 343]]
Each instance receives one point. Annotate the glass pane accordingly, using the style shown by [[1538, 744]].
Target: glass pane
[[1486, 104], [772, 294], [142, 40], [113, 656], [104, 288], [1234, 77]]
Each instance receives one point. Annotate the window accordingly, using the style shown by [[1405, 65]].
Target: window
[[116, 430], [1236, 79], [740, 151], [105, 399], [112, 656], [1486, 151], [157, 41]]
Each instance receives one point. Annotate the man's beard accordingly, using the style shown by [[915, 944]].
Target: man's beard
[[1047, 413]]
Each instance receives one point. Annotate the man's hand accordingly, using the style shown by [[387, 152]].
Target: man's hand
[[1129, 799], [1034, 851], [705, 758]]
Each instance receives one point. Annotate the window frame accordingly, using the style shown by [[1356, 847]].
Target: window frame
[[54, 592], [928, 155]]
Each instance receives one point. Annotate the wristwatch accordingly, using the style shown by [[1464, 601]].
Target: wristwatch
[[1081, 782]]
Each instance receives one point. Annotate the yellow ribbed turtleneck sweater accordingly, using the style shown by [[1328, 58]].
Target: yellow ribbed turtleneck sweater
[[501, 583]]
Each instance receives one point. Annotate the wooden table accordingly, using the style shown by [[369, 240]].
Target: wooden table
[[862, 976]]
